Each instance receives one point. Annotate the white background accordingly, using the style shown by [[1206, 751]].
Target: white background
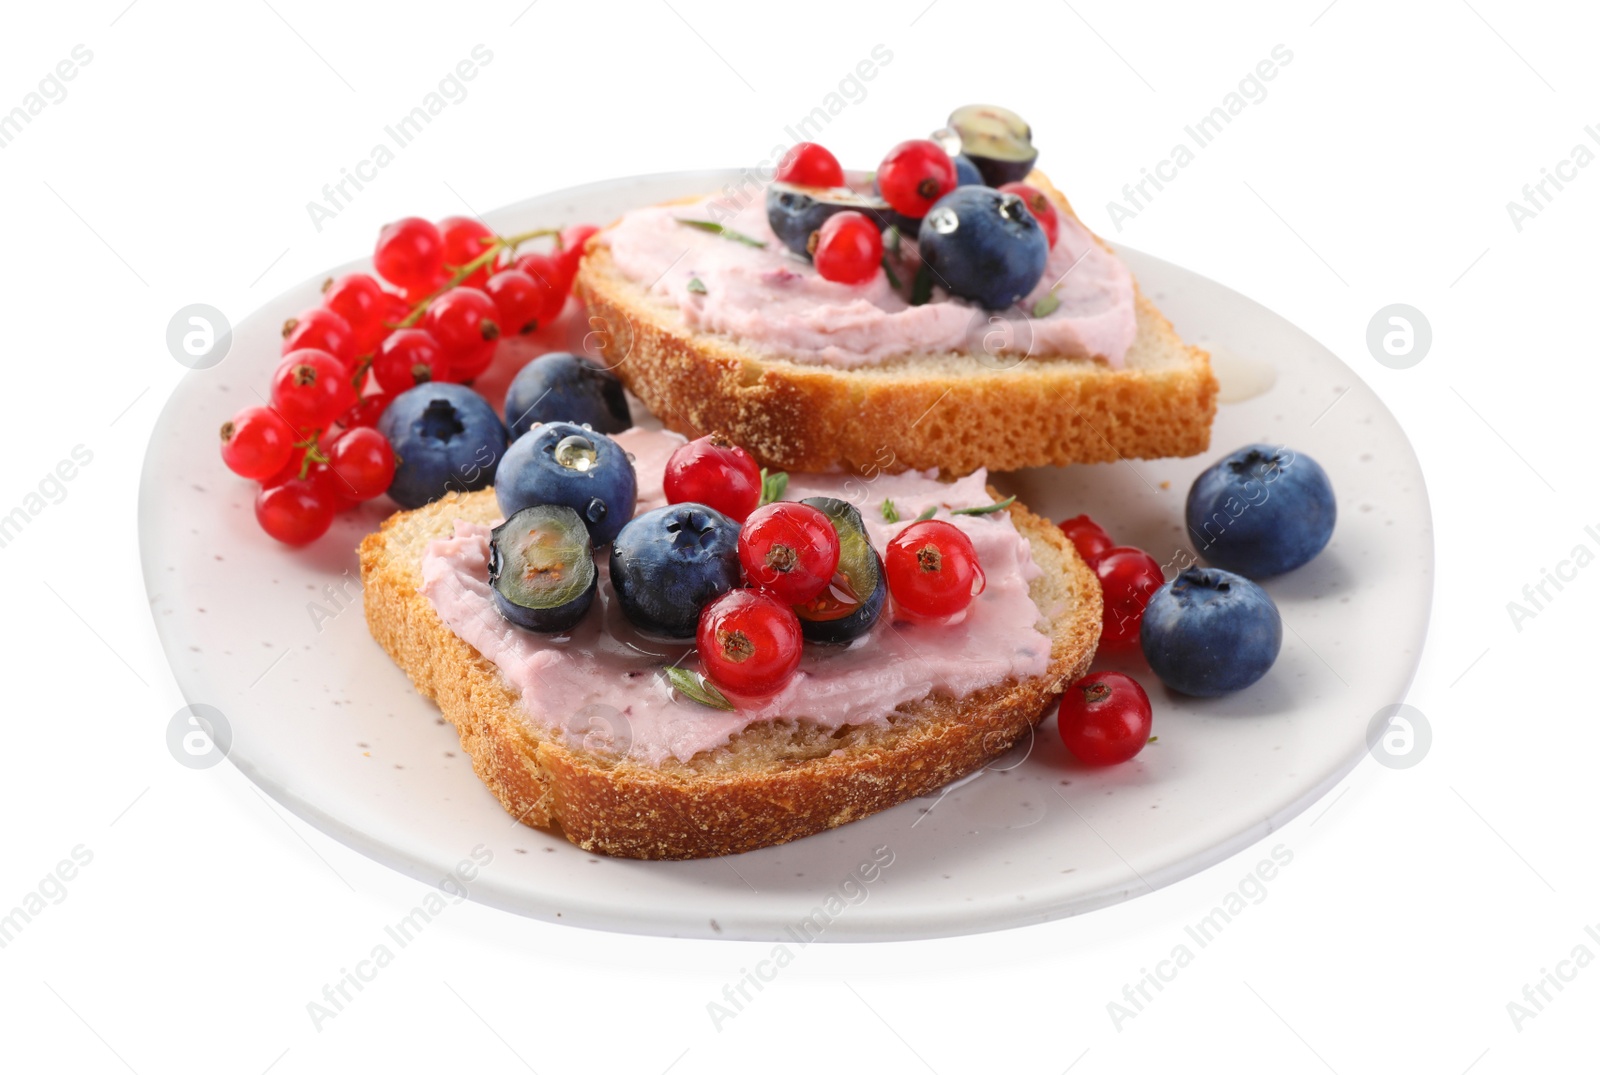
[[1377, 170]]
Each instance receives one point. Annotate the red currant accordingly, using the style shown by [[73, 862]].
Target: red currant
[[408, 358], [914, 175], [519, 298], [749, 643], [290, 469], [295, 512], [573, 240], [933, 569], [256, 443], [463, 239], [809, 165], [848, 248], [467, 325], [789, 551], [1104, 718], [1092, 542], [363, 461], [1128, 579], [574, 236], [395, 310], [323, 330], [422, 293], [311, 388], [367, 412], [331, 486], [1042, 208], [553, 280], [715, 472], [410, 255], [364, 304]]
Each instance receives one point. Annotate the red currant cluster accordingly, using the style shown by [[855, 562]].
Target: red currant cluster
[[1105, 717], [911, 178], [1128, 577], [750, 640], [454, 288]]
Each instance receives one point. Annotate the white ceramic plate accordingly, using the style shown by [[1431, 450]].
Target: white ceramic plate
[[325, 724]]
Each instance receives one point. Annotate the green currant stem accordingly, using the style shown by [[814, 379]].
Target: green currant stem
[[496, 245], [314, 453]]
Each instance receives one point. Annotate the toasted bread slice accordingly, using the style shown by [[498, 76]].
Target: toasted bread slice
[[956, 411], [775, 782]]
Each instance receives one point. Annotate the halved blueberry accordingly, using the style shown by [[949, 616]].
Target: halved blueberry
[[562, 463], [796, 212], [541, 568], [851, 604], [669, 563], [997, 140]]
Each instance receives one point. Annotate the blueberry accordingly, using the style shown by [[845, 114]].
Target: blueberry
[[997, 140], [562, 387], [669, 563], [967, 174], [984, 245], [849, 607], [445, 437], [1210, 632], [1261, 511], [796, 212], [541, 568], [562, 463]]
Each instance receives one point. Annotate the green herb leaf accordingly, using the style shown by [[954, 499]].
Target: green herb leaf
[[696, 688], [1047, 305], [773, 485], [928, 513], [987, 509], [696, 285], [1152, 739], [888, 270], [922, 286], [890, 514], [717, 229]]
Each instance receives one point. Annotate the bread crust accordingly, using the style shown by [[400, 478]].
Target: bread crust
[[718, 803], [956, 412]]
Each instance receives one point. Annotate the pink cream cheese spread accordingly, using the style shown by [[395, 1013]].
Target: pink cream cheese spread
[[774, 301], [601, 685]]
